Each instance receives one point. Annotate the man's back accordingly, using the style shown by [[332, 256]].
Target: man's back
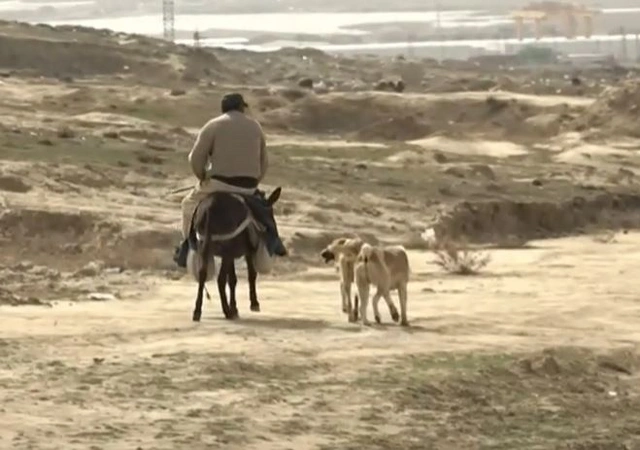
[[234, 144]]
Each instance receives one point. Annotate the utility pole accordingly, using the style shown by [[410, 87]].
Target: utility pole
[[168, 19], [438, 29], [196, 39]]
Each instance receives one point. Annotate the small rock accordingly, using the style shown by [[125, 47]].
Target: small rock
[[47, 142], [537, 182], [177, 92], [92, 269], [145, 158], [484, 170], [66, 133], [455, 172], [23, 266], [13, 184], [111, 135], [306, 83], [440, 158], [101, 297], [158, 146], [494, 187], [72, 248]]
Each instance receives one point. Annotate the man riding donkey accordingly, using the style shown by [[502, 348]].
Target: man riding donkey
[[229, 155]]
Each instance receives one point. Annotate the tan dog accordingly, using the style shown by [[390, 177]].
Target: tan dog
[[344, 251], [386, 268]]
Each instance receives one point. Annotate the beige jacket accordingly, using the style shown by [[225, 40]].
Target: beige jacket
[[233, 144]]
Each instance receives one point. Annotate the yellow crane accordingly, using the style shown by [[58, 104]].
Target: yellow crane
[[570, 13]]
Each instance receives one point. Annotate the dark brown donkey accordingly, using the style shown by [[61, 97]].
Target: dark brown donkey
[[219, 215]]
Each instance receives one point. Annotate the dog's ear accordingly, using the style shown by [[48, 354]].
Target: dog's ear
[[274, 196]]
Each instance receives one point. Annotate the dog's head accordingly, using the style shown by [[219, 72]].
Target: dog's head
[[348, 247]]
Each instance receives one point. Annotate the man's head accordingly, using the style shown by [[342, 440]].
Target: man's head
[[347, 247], [233, 102]]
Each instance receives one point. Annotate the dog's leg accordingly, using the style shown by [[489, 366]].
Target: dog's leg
[[347, 295], [374, 302], [363, 293], [402, 294]]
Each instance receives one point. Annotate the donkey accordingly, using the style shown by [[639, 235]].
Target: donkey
[[225, 227]]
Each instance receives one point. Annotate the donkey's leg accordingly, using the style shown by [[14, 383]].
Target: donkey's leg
[[222, 288], [203, 258], [197, 312], [252, 276], [232, 281]]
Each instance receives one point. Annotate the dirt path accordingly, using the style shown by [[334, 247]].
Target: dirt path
[[137, 373]]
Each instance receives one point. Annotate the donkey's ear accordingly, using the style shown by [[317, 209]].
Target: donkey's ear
[[274, 196]]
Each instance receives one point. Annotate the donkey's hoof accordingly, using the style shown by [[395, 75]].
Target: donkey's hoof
[[196, 316], [404, 323], [395, 316], [378, 320], [255, 307]]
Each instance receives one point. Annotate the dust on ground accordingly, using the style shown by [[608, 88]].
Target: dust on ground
[[96, 343]]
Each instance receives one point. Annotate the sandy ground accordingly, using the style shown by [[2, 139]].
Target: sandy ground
[[136, 373]]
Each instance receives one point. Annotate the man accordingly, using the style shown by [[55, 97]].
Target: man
[[229, 155]]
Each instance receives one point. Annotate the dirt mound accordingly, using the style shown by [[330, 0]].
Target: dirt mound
[[496, 221], [458, 84], [393, 129], [571, 361], [56, 59], [147, 249], [30, 223], [55, 239], [69, 241], [11, 183], [66, 52], [616, 110], [383, 116]]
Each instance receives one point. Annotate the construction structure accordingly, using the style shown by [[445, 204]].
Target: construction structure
[[569, 13], [168, 20]]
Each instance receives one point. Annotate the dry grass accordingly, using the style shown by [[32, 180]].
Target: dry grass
[[459, 258], [606, 237]]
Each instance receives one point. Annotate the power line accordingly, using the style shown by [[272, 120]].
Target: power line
[[168, 19]]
